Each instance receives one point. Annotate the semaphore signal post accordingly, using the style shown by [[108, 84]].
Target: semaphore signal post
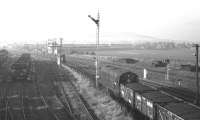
[[96, 21]]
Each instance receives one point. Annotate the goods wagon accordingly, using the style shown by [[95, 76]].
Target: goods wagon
[[129, 91], [150, 100], [21, 68], [111, 77], [156, 105], [178, 111]]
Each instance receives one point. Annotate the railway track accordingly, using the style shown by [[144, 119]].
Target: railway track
[[2, 99], [61, 94], [4, 105], [48, 108], [79, 107], [80, 110], [15, 101], [8, 114], [75, 108], [60, 114], [22, 103], [5, 110]]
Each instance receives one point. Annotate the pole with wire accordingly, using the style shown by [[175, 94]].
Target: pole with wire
[[197, 73], [96, 21], [61, 40]]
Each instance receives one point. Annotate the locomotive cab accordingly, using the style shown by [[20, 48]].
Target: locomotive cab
[[128, 77]]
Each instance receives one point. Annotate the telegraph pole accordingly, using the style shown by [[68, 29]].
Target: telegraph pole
[[61, 39], [197, 73], [96, 21]]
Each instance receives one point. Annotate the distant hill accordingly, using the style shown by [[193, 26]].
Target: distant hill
[[127, 38]]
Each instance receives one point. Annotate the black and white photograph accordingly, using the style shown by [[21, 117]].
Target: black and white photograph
[[99, 59]]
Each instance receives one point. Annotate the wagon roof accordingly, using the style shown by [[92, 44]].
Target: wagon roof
[[192, 116], [156, 96], [184, 110], [138, 87]]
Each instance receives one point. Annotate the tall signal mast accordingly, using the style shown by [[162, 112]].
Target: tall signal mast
[[96, 21]]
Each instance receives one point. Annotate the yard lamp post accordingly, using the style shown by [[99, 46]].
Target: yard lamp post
[[96, 21]]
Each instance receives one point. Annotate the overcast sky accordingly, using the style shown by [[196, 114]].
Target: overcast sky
[[35, 21]]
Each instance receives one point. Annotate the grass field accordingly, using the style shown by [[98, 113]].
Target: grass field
[[173, 54], [158, 74], [184, 55]]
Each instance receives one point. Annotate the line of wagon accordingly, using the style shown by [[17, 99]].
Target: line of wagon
[[22, 67], [149, 102]]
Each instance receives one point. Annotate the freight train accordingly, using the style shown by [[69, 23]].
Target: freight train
[[150, 103], [3, 57], [21, 68]]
